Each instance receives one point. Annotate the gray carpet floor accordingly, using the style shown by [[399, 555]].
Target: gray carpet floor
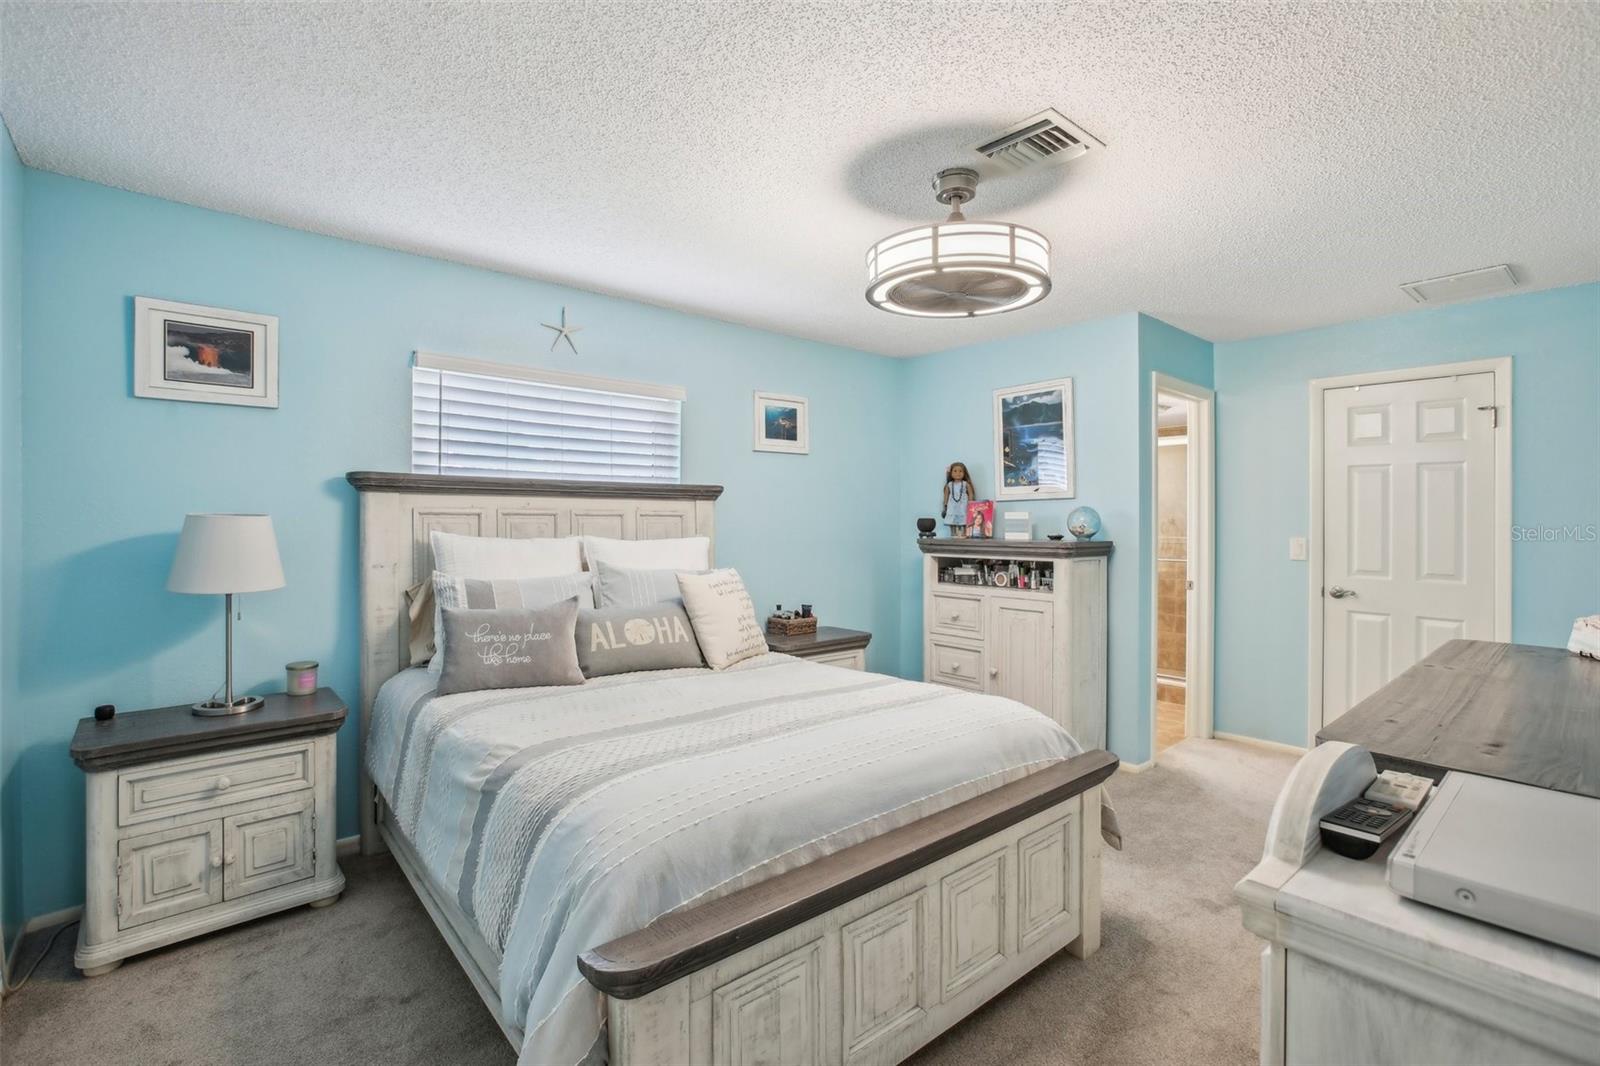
[[370, 981]]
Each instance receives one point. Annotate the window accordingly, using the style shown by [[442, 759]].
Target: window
[[478, 418]]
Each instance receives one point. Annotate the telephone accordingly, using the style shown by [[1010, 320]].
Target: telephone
[[1360, 827]]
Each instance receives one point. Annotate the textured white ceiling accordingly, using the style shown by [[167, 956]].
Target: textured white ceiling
[[1269, 167]]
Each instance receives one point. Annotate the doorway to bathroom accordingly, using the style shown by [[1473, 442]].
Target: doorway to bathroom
[[1181, 583]]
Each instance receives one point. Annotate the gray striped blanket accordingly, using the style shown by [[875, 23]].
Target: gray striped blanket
[[561, 818]]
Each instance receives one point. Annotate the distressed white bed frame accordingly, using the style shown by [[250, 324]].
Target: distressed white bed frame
[[860, 958]]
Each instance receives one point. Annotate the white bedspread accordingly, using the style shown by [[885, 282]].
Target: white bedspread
[[561, 818]]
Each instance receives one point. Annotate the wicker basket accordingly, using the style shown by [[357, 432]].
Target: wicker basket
[[790, 627]]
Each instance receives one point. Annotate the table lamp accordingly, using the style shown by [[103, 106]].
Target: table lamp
[[226, 554]]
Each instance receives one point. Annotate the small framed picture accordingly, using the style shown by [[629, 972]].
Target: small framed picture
[[782, 424], [204, 354], [1033, 450]]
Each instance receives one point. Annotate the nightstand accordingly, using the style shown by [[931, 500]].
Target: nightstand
[[197, 823], [829, 644]]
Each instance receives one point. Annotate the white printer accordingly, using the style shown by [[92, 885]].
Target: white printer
[[1516, 856]]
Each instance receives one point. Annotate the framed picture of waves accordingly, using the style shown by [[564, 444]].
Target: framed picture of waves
[[204, 354], [782, 424], [1033, 450]]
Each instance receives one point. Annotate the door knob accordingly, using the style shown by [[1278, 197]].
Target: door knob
[[1340, 593]]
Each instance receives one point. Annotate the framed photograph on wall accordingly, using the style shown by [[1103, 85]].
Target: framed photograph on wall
[[1033, 451], [204, 354], [782, 424]]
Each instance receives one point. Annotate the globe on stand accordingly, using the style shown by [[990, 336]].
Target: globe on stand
[[1084, 523]]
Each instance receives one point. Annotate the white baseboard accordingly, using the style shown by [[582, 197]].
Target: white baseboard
[[1257, 742], [34, 925], [1136, 767], [345, 847]]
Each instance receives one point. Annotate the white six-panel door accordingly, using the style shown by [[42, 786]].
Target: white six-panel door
[[1408, 527]]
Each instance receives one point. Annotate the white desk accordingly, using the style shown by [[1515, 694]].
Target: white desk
[[1353, 973]]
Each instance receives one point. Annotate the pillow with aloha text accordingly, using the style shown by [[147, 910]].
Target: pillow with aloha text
[[621, 640]]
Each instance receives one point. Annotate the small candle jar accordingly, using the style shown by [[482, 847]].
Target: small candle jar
[[302, 679]]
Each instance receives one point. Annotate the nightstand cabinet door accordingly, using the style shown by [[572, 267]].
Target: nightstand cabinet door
[[167, 873], [267, 848]]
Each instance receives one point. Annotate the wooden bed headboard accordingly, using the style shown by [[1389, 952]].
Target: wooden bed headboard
[[398, 511]]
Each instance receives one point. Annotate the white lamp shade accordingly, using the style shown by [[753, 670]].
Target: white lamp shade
[[219, 553]]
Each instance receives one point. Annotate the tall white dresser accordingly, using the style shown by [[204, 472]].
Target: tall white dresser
[[1043, 645]]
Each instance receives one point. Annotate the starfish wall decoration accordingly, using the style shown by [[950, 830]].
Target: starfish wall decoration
[[564, 332]]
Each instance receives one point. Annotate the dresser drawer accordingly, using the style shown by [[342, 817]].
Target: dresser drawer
[[164, 790], [954, 613], [955, 664]]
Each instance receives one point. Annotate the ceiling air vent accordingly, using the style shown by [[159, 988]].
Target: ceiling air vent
[[1462, 286], [1046, 139]]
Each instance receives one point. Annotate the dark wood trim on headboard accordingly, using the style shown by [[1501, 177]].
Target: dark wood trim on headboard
[[457, 484], [688, 940]]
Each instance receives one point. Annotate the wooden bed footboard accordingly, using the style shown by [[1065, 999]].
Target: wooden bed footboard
[[865, 955]]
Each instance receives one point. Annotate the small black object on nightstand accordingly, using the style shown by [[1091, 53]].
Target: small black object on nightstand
[[105, 712]]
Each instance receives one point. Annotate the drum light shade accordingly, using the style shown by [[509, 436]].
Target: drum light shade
[[222, 553], [957, 268]]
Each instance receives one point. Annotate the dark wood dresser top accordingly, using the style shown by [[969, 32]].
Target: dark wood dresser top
[[169, 732], [826, 638], [1514, 711]]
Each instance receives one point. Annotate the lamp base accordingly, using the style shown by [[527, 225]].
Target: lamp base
[[217, 708]]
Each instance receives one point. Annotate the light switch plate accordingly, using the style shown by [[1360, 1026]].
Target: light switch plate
[[1297, 549]]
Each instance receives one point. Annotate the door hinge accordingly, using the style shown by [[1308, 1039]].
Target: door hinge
[[1494, 420]]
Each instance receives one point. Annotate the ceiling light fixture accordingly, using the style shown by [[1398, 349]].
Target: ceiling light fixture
[[956, 268]]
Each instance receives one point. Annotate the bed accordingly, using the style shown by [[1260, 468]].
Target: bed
[[780, 862]]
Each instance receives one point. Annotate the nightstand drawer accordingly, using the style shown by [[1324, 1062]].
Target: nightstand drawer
[[178, 788], [172, 872], [267, 848], [854, 659]]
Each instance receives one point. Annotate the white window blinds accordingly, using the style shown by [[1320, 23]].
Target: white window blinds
[[473, 417]]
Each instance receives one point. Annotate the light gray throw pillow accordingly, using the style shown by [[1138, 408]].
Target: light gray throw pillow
[[451, 590], [617, 586], [620, 640], [509, 647]]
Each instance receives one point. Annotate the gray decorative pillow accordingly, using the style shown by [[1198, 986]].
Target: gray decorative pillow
[[616, 586], [450, 590], [620, 640], [508, 647]]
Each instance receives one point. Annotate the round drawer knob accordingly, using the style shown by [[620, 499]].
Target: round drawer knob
[[955, 668], [216, 862], [222, 784], [994, 671], [955, 616], [228, 858]]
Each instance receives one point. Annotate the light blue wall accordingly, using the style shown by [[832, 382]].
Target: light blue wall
[[108, 477], [948, 409], [11, 186], [1168, 350], [1553, 339]]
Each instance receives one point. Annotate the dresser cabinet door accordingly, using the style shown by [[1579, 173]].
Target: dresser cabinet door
[[1020, 652], [267, 848], [167, 873]]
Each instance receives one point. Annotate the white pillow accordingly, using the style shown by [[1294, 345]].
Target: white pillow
[[677, 553], [504, 557], [723, 616]]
